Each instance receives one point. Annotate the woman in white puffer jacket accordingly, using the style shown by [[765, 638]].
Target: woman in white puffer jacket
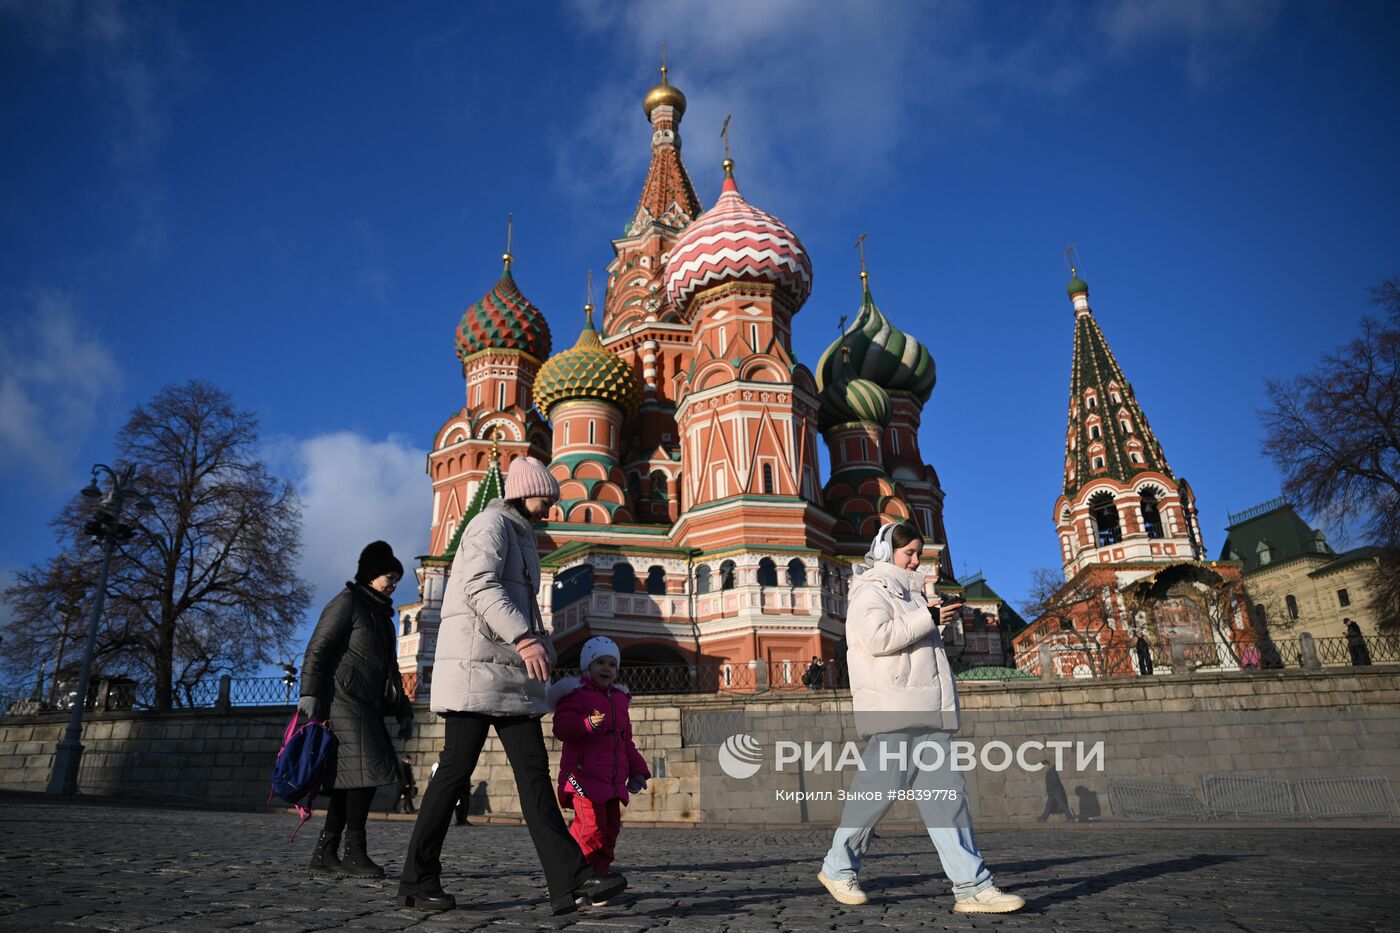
[[905, 699]]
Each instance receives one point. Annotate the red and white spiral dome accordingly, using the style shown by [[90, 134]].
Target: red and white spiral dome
[[736, 242]]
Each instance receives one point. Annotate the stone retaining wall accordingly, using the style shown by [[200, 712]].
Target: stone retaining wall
[[1292, 724]]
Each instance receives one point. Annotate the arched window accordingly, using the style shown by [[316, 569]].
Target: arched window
[[656, 580], [571, 586], [768, 479], [1135, 457], [658, 486], [767, 572], [1098, 463], [501, 397], [624, 578], [702, 579], [726, 575], [1105, 515], [1093, 432], [1261, 617], [1092, 402], [796, 573], [1151, 515], [408, 625], [592, 432], [588, 516], [1291, 602], [1127, 428]]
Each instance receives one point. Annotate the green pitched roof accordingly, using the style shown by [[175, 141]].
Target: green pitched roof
[[1279, 530]]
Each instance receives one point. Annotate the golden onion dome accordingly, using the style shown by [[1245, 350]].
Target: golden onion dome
[[587, 370], [664, 93]]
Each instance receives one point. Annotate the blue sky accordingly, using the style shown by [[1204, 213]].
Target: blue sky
[[297, 202]]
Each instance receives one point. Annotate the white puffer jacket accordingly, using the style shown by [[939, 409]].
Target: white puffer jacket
[[900, 677]]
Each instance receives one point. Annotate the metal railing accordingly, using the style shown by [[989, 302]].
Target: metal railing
[[1121, 660], [1231, 796]]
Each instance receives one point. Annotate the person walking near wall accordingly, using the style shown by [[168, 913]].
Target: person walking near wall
[[408, 787], [351, 676], [904, 698], [1144, 655], [491, 668], [1356, 644]]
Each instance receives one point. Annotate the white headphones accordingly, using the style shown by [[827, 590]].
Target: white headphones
[[881, 548]]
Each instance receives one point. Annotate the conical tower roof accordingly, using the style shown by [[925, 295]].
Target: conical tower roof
[[1095, 374], [493, 486]]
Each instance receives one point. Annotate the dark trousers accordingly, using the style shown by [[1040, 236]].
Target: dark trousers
[[563, 863], [349, 809]]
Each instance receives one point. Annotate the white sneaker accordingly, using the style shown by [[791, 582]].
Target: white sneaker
[[847, 891], [990, 900]]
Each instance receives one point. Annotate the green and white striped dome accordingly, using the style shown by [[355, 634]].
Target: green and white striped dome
[[881, 353]]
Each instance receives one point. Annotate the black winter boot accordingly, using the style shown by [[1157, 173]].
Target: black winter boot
[[324, 860], [357, 863]]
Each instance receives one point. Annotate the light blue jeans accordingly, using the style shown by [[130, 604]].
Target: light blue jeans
[[949, 825]]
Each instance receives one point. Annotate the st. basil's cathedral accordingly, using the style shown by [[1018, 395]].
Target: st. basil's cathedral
[[694, 526]]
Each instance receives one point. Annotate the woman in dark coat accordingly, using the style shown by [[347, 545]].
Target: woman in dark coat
[[351, 677]]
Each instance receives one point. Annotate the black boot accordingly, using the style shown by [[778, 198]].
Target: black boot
[[324, 860], [357, 863]]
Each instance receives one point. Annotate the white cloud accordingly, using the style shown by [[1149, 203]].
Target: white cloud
[[825, 95], [54, 375], [1213, 34], [356, 490]]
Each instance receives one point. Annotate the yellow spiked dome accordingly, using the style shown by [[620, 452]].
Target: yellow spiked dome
[[587, 371]]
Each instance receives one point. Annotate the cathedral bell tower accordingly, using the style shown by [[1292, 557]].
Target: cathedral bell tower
[[1121, 500]]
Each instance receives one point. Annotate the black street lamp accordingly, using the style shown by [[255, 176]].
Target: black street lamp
[[106, 529]]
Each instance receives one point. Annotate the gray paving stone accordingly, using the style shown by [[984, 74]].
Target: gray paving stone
[[69, 867]]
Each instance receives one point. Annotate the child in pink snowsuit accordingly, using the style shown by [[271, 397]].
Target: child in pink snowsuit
[[600, 765]]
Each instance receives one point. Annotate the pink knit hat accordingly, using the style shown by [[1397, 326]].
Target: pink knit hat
[[529, 477]]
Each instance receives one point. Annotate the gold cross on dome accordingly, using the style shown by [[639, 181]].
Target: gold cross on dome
[[860, 248], [724, 134], [1072, 258]]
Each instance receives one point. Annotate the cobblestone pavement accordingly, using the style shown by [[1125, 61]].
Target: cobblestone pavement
[[74, 867]]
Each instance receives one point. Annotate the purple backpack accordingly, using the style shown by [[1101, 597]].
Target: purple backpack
[[296, 776]]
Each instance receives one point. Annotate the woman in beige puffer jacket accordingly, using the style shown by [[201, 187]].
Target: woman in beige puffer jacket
[[491, 669], [904, 698]]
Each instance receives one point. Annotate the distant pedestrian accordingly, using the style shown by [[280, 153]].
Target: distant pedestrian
[[493, 661], [351, 677], [600, 766], [1356, 644], [814, 678], [408, 787], [1249, 658], [1144, 655]]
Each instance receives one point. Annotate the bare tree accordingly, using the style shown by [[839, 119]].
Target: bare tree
[[207, 584], [1335, 435], [1076, 615]]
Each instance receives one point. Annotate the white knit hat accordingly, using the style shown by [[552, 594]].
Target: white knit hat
[[598, 647]]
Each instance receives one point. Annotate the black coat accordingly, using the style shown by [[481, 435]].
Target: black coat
[[351, 664]]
